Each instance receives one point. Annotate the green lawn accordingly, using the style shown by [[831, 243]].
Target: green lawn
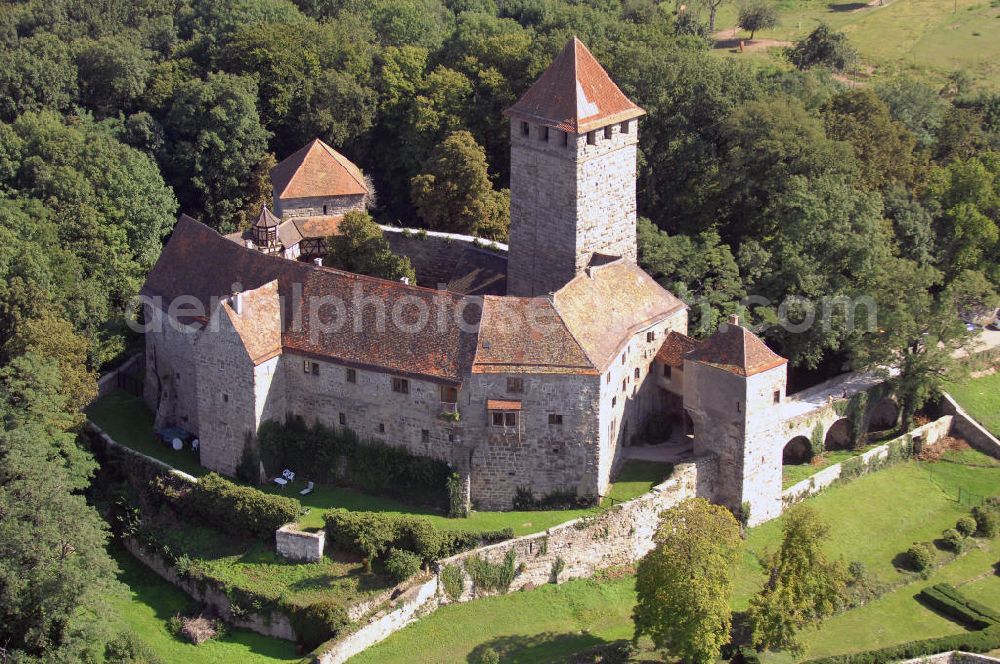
[[924, 36], [126, 419], [980, 397], [874, 518], [793, 473], [150, 602]]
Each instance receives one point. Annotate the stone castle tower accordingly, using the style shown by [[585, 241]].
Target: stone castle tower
[[573, 171]]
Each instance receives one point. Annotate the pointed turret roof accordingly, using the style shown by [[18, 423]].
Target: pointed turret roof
[[575, 94], [316, 170], [265, 219], [736, 349]]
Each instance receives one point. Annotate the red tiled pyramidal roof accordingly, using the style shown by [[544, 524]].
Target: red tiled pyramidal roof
[[575, 94], [736, 349], [316, 170]]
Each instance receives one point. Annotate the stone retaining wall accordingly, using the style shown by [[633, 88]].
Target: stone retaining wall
[[98, 434], [618, 536], [954, 657], [969, 429], [298, 545], [277, 625], [434, 255], [928, 434], [107, 383]]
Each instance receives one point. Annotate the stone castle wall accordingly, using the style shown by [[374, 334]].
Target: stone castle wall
[[171, 385], [314, 206]]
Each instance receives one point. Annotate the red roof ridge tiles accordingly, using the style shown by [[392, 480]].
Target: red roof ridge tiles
[[316, 169], [574, 94], [735, 349]]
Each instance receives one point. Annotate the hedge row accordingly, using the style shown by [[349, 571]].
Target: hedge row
[[982, 641], [372, 534], [238, 509], [339, 455], [948, 600]]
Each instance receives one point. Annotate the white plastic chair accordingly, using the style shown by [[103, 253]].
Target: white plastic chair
[[288, 475], [309, 488]]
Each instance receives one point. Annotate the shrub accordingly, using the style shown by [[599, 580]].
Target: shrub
[[453, 581], [987, 521], [749, 655], [240, 510], [373, 533], [524, 500], [458, 507], [487, 576], [318, 622], [953, 540], [947, 599], [919, 557], [402, 564], [489, 656], [558, 565], [967, 526], [128, 648]]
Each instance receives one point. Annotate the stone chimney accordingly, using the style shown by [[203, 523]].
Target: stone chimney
[[318, 261], [734, 320], [405, 280], [236, 301]]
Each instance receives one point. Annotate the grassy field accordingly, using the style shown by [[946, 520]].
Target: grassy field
[[922, 36], [874, 518], [150, 602], [793, 473], [126, 419], [980, 397]]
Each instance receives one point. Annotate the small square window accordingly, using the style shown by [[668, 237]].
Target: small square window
[[499, 418], [555, 419], [496, 418], [425, 436], [625, 127], [624, 384], [222, 365], [777, 396], [650, 336], [381, 427], [565, 139], [608, 377], [637, 372], [623, 358], [225, 398], [591, 138], [524, 129], [401, 385], [614, 401], [607, 132], [449, 394], [545, 133], [739, 407], [342, 418], [515, 385], [510, 419], [310, 368], [352, 376], [667, 370]]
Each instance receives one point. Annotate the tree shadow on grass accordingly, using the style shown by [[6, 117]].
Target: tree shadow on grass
[[847, 6], [537, 648], [947, 616]]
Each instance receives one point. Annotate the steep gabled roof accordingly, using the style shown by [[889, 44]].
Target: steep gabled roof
[[259, 322], [316, 170], [199, 263], [675, 346], [605, 305], [737, 350], [574, 94]]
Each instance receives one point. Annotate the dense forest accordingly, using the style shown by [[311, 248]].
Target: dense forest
[[776, 183]]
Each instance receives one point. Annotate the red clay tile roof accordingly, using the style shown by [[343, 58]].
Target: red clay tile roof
[[316, 170], [259, 322], [574, 94], [604, 306], [200, 263], [322, 226], [500, 404], [736, 349], [674, 347], [526, 335]]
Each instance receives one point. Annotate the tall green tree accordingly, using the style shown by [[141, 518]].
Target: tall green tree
[[803, 585], [684, 585], [454, 193], [55, 572], [360, 247], [214, 141], [700, 270], [824, 47], [757, 15]]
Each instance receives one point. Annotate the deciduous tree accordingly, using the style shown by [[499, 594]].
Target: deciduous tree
[[361, 248], [684, 585], [757, 15]]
